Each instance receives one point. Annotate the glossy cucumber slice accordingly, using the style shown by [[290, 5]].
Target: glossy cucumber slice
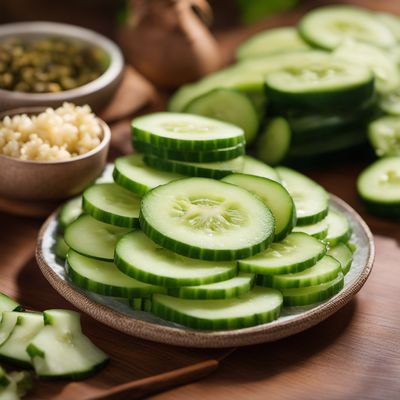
[[234, 287], [206, 219], [137, 256], [272, 41], [93, 238], [384, 135], [326, 269], [70, 211], [61, 248], [318, 230], [191, 156], [274, 196], [105, 278], [339, 229], [343, 254], [274, 142], [13, 349], [310, 199], [252, 166], [295, 253], [8, 322], [186, 132], [304, 296], [259, 306], [391, 21], [379, 187], [8, 304], [229, 106], [214, 170], [112, 204], [390, 103], [330, 26], [61, 350]]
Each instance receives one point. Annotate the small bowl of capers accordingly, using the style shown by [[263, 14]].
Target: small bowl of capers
[[47, 64]]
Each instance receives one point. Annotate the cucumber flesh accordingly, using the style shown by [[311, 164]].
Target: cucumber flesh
[[295, 253], [384, 135], [252, 166], [112, 204], [318, 230], [310, 199], [60, 350], [137, 256], [8, 322], [8, 304], [391, 21], [390, 103], [234, 287], [105, 278], [206, 219], [274, 196], [339, 229], [343, 254], [61, 248], [70, 211], [93, 238], [259, 306], [304, 296]]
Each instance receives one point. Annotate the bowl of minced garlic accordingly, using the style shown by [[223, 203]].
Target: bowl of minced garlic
[[50, 154]]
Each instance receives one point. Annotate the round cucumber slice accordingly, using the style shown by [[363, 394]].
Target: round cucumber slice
[[274, 196], [229, 106], [93, 238], [234, 287], [379, 187], [295, 253], [259, 306], [384, 135], [70, 211], [304, 296], [330, 26], [252, 166], [105, 278], [206, 219], [61, 248], [310, 199], [133, 174], [274, 142], [390, 103], [318, 230], [137, 256], [112, 204], [343, 254], [339, 229], [272, 41], [186, 132], [215, 170], [326, 269]]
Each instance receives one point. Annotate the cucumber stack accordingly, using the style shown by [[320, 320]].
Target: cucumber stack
[[216, 244]]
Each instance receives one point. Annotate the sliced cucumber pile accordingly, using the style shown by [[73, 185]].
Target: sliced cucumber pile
[[206, 253]]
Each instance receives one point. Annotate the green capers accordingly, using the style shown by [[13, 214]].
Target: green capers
[[48, 65]]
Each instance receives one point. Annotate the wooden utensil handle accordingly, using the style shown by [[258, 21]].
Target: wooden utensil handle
[[157, 383]]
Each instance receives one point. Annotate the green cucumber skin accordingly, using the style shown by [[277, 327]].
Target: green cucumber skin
[[190, 156], [318, 235], [312, 219], [339, 239], [345, 266], [128, 184], [61, 248], [386, 210], [15, 362]]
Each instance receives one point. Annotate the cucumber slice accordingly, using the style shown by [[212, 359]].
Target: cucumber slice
[[384, 135], [70, 211], [390, 103], [311, 200], [234, 287], [272, 41], [318, 230], [229, 106], [343, 254], [186, 132], [304, 296], [133, 174], [295, 253], [326, 269], [13, 349], [93, 238], [137, 256], [259, 306], [391, 21], [333, 83], [339, 229], [214, 170], [105, 278], [61, 248], [60, 350], [136, 303], [8, 322], [379, 187], [15, 385], [191, 156], [274, 142], [274, 196], [330, 26], [385, 69], [112, 204], [8, 304], [252, 166], [206, 219]]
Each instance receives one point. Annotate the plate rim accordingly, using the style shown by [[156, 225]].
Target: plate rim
[[216, 339]]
